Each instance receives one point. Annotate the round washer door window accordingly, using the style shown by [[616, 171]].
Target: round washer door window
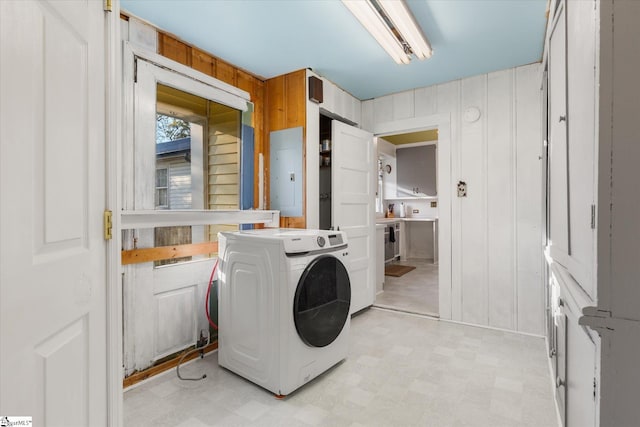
[[322, 300]]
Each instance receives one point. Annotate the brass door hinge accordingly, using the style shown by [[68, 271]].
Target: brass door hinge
[[108, 7], [108, 225]]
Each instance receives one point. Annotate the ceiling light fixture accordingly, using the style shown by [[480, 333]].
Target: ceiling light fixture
[[369, 17], [407, 26], [392, 25]]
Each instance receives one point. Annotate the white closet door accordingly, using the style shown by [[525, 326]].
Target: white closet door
[[581, 122], [353, 190], [53, 334], [558, 179]]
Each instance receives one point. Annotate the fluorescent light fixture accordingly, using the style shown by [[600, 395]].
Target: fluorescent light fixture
[[407, 26], [407, 37], [366, 13]]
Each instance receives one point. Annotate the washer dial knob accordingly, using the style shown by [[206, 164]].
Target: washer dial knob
[[321, 241]]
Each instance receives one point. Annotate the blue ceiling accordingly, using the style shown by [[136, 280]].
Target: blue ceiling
[[274, 37]]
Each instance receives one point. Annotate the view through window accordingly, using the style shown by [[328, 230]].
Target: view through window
[[197, 163]]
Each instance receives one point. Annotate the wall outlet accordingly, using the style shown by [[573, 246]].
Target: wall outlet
[[434, 204], [416, 211]]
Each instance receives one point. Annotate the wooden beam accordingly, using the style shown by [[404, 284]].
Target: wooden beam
[[136, 256], [164, 366]]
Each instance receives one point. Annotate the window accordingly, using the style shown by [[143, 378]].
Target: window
[[162, 188], [197, 162]]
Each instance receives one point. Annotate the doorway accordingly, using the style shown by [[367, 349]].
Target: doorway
[[441, 123], [407, 209], [183, 156]]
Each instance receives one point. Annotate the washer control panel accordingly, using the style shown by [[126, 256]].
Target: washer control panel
[[298, 241], [335, 239]]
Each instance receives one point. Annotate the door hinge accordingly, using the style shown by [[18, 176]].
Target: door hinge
[[593, 217], [108, 224], [594, 388], [108, 6]]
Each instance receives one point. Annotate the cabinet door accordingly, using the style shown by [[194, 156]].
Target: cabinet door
[[580, 371], [581, 119], [561, 362], [416, 171], [557, 149]]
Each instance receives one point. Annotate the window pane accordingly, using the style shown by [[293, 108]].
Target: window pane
[[161, 177], [197, 160], [161, 197], [169, 236]]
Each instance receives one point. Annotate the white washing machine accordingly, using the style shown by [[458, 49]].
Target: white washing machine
[[284, 300]]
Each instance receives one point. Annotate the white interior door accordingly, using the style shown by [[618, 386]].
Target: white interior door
[[52, 194], [353, 184]]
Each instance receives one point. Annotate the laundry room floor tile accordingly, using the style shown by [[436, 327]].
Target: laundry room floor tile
[[415, 291], [402, 370]]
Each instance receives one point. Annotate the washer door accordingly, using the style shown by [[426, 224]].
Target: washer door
[[322, 299]]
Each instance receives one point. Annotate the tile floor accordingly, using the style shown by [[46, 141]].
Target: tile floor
[[402, 370], [415, 292]]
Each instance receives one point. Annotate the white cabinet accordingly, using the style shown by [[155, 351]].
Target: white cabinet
[[572, 136], [416, 168], [594, 206], [557, 148], [581, 140], [570, 196], [573, 352]]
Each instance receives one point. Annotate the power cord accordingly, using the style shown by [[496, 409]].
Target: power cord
[[203, 341], [201, 344]]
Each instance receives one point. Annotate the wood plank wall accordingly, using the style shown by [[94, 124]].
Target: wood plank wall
[[286, 108], [172, 48]]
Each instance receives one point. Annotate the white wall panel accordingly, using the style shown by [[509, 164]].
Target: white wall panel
[[425, 101], [529, 209], [403, 107], [500, 199], [473, 207], [366, 119], [356, 110], [496, 232], [448, 102], [383, 109]]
